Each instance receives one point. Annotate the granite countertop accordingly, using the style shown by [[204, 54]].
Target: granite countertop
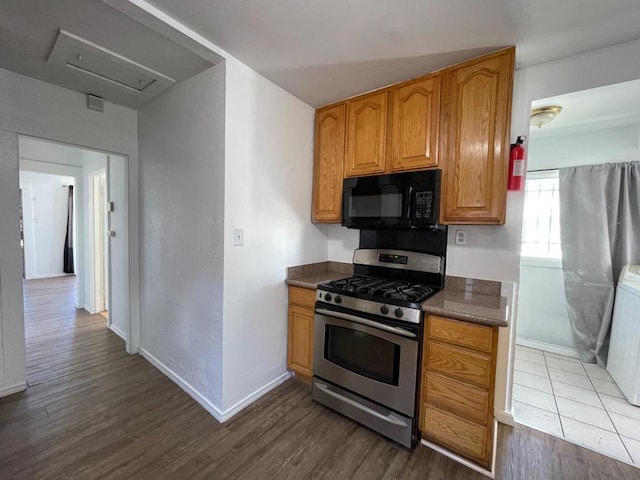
[[466, 299], [470, 300], [310, 275]]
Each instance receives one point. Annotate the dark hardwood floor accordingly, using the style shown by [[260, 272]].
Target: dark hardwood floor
[[94, 412]]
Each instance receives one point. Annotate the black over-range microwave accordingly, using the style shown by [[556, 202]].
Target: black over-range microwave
[[398, 200]]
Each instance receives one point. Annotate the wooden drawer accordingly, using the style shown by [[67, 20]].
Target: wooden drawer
[[459, 363], [462, 400], [461, 436], [302, 296], [477, 337]]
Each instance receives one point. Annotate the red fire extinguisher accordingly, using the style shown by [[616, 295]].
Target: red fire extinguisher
[[516, 164]]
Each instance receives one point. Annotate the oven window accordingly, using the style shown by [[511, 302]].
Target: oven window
[[362, 353], [381, 204]]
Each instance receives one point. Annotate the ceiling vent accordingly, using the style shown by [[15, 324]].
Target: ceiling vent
[[94, 102], [87, 58]]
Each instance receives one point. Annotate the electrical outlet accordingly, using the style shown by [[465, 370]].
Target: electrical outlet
[[238, 237], [461, 237]]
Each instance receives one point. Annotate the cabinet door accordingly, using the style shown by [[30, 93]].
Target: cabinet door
[[414, 130], [475, 140], [300, 348], [328, 164], [366, 134]]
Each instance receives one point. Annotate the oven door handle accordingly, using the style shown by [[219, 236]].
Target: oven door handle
[[391, 418], [364, 321]]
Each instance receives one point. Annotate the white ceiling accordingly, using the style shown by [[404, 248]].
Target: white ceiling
[[319, 50], [596, 108], [322, 51], [28, 29]]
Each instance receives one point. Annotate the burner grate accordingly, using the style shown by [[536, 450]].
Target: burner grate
[[383, 288]]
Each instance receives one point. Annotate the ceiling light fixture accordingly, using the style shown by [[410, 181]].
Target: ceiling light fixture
[[542, 115]]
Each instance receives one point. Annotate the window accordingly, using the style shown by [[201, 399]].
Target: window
[[541, 229]]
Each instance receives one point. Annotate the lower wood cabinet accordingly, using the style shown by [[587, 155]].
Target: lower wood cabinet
[[300, 332], [457, 387]]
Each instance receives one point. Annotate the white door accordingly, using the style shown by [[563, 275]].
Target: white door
[[26, 190], [118, 245]]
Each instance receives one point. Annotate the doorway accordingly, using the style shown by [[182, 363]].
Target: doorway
[[553, 390], [62, 307]]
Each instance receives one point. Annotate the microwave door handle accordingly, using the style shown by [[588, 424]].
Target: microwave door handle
[[364, 321], [407, 215]]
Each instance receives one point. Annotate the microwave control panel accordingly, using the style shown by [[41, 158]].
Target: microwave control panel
[[424, 205]]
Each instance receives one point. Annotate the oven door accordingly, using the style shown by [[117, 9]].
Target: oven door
[[372, 359]]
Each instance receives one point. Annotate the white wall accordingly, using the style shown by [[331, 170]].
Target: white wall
[[50, 152], [182, 174], [49, 201], [542, 315], [35, 108], [342, 242], [268, 178], [570, 149]]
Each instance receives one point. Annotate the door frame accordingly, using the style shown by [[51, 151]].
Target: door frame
[[131, 263], [98, 244], [28, 236]]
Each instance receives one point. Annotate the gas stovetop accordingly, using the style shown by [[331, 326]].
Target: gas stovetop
[[398, 292], [394, 299], [392, 284]]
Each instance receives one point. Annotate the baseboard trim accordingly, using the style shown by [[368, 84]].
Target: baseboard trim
[[51, 275], [11, 389], [467, 463], [117, 331], [249, 399], [547, 347], [221, 416], [192, 392], [504, 417]]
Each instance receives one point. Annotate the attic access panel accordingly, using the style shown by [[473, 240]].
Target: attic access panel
[[87, 58]]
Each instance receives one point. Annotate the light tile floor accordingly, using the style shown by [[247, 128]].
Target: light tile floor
[[579, 402]]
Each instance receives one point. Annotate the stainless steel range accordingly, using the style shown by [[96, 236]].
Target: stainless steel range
[[368, 332]]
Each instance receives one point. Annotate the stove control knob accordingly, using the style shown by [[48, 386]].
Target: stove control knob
[[327, 297], [398, 313], [384, 309], [338, 299]]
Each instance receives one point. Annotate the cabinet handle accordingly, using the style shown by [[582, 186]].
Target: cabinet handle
[[368, 323], [391, 418]]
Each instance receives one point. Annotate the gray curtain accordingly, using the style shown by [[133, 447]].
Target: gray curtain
[[600, 233]]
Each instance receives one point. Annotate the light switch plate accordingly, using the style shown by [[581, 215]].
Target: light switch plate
[[238, 237]]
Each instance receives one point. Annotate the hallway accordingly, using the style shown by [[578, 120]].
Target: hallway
[[94, 412], [59, 338]]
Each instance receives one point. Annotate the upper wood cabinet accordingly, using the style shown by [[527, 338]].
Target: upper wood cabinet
[[328, 163], [475, 139], [414, 127], [457, 119], [366, 134]]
